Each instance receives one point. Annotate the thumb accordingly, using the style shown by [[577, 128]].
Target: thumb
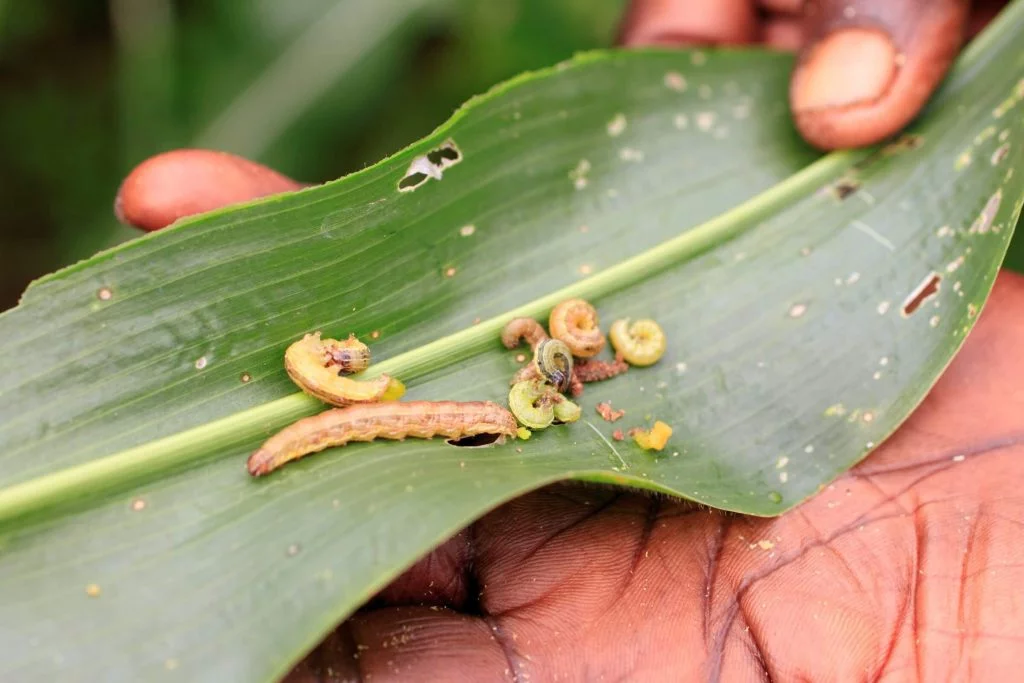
[[185, 182], [869, 66]]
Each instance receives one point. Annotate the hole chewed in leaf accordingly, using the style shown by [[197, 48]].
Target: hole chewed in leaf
[[444, 156], [928, 288], [412, 181], [478, 441], [430, 166]]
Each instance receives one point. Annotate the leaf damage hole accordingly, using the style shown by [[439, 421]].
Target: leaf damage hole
[[928, 288], [412, 181], [430, 166], [476, 441]]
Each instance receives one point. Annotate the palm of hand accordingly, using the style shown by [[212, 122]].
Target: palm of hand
[[905, 568]]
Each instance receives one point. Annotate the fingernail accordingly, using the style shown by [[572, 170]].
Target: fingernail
[[846, 67]]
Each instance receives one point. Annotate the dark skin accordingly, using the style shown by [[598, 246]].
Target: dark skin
[[906, 568]]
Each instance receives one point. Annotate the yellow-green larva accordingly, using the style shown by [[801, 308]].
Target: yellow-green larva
[[531, 403], [567, 411], [640, 343], [317, 366]]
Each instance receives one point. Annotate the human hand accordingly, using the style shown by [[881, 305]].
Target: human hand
[[865, 67], [906, 567]]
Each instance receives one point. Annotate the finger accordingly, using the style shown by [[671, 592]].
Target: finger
[[440, 578], [869, 66], [186, 182], [678, 22], [421, 644]]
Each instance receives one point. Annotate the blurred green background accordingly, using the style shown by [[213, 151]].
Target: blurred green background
[[313, 88]]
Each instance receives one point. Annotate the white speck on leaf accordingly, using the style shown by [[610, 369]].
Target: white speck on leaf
[[675, 81], [631, 154], [617, 125]]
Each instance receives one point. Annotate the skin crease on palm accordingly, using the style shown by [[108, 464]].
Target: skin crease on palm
[[906, 568]]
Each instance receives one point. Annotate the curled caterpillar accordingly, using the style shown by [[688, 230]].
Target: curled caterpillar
[[531, 372], [576, 323], [418, 419], [582, 371], [640, 343], [316, 365], [537, 405], [531, 403], [554, 361], [519, 329]]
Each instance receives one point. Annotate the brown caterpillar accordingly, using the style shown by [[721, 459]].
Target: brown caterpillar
[[418, 419], [523, 328], [317, 366], [576, 323]]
